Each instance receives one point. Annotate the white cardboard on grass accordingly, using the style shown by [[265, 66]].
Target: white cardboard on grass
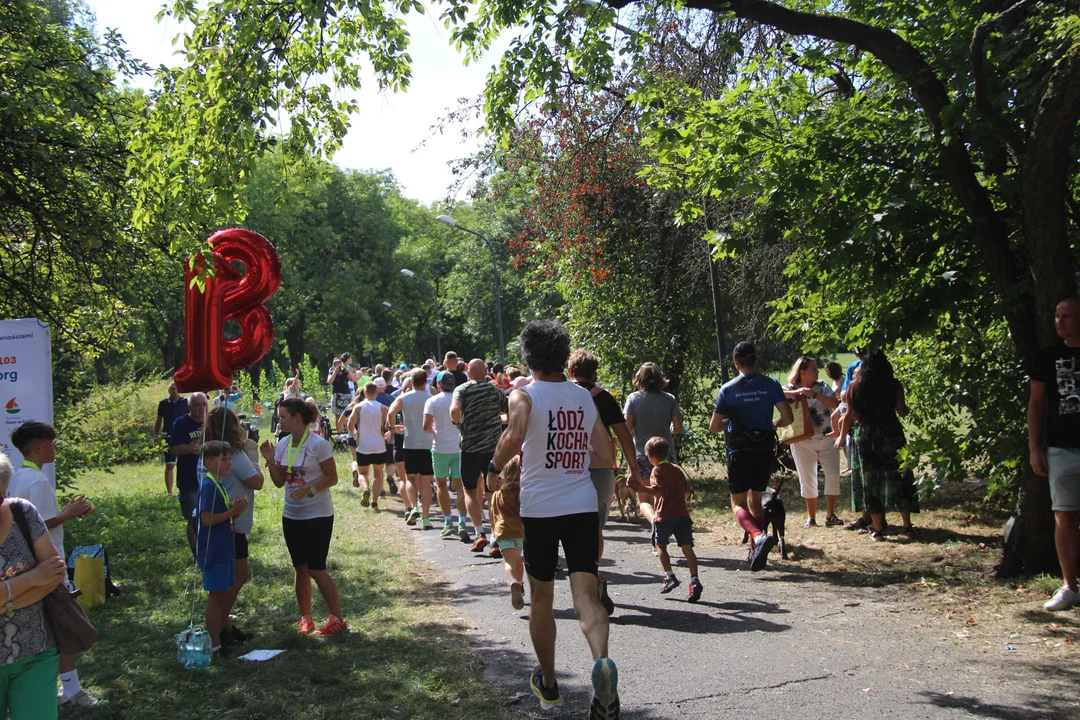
[[26, 382], [260, 655]]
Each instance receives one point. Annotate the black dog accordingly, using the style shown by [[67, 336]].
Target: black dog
[[775, 514]]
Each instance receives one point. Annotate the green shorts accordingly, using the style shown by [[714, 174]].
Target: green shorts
[[446, 465], [28, 687], [511, 543]]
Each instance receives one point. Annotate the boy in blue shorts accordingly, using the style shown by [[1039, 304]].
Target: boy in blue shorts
[[216, 547], [669, 486]]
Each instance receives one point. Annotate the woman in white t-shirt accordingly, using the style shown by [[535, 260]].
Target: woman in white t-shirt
[[304, 464], [366, 421]]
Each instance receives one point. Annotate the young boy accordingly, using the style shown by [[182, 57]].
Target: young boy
[[216, 542], [669, 486], [508, 529], [37, 443]]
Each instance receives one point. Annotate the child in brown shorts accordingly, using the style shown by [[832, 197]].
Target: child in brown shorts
[[508, 529]]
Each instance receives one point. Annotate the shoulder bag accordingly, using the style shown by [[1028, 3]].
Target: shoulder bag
[[72, 628], [802, 428]]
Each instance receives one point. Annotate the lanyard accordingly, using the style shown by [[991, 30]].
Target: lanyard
[[291, 456], [224, 495], [27, 463]]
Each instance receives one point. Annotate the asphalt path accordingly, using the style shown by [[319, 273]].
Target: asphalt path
[[776, 644]]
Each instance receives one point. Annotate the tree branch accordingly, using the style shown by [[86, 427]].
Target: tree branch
[[1006, 20], [1004, 266]]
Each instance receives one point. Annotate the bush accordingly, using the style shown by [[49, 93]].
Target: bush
[[112, 425]]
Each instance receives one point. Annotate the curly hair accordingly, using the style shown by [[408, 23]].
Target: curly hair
[[545, 346]]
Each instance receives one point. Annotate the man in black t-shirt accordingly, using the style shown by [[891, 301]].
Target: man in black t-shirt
[[456, 367], [168, 410], [582, 368], [1054, 440]]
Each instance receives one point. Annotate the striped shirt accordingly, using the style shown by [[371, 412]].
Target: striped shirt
[[481, 426]]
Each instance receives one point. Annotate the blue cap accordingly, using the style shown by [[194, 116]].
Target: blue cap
[[447, 380], [403, 366]]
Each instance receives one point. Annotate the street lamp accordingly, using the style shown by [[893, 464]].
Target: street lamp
[[495, 269], [387, 305], [438, 336]]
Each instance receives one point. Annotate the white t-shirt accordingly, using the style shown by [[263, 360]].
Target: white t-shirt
[[36, 487], [306, 471], [555, 477], [447, 436], [369, 436]]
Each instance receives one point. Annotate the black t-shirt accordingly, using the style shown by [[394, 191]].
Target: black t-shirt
[[460, 378], [606, 406], [1059, 368], [341, 382]]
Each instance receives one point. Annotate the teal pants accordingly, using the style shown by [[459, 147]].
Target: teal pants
[[28, 687]]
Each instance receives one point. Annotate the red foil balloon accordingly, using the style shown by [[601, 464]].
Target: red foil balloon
[[210, 359]]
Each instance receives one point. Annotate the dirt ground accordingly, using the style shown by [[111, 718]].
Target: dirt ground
[[947, 570]]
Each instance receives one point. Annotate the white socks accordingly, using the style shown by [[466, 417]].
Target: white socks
[[71, 683]]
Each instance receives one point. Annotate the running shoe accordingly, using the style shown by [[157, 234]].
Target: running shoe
[[605, 691], [494, 551], [393, 485], [375, 507], [425, 524], [759, 556], [463, 534], [517, 595], [1063, 599], [605, 600], [549, 697], [307, 625], [365, 499], [448, 530], [82, 699], [480, 544], [693, 593], [411, 516], [332, 627], [670, 583]]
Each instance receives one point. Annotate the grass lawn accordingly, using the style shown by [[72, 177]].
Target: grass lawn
[[407, 655]]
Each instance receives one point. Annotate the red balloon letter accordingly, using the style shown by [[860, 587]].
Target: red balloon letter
[[210, 359]]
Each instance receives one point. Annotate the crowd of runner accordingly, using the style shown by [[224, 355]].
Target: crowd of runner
[[538, 447]]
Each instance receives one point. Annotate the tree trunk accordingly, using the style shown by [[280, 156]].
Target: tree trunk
[[294, 341], [1044, 174]]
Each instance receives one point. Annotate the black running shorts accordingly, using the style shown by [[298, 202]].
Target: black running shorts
[[474, 466], [308, 541], [749, 470], [579, 535], [418, 462]]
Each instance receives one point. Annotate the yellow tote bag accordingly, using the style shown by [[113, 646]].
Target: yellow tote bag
[[90, 579]]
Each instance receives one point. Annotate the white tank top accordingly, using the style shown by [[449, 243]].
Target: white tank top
[[555, 476], [369, 428]]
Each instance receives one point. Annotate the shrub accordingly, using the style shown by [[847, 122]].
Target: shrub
[[112, 425]]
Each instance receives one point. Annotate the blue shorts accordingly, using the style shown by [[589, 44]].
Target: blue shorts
[[511, 543], [219, 577], [1064, 466], [680, 527]]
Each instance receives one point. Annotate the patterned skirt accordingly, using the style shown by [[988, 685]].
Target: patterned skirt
[[877, 483]]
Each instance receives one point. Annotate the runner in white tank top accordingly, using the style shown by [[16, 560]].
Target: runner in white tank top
[[366, 422], [552, 423], [555, 476]]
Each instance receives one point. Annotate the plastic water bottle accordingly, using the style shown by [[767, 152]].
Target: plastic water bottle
[[193, 648]]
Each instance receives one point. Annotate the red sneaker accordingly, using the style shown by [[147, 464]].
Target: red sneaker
[[307, 625], [494, 550], [332, 627], [479, 545]]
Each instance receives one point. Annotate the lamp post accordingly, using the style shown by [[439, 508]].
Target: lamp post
[[435, 287], [495, 269]]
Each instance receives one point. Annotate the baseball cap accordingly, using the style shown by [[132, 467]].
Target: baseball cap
[[403, 366], [744, 350], [447, 380], [379, 382]]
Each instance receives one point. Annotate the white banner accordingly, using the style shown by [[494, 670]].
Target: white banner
[[26, 383]]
